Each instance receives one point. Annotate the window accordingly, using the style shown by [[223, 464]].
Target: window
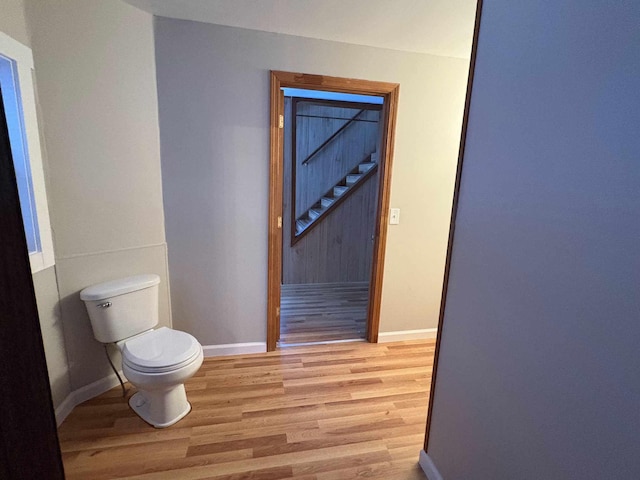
[[18, 95]]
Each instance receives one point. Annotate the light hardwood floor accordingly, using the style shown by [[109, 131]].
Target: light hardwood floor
[[322, 412], [321, 312]]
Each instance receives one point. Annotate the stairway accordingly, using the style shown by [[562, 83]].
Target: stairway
[[341, 190]]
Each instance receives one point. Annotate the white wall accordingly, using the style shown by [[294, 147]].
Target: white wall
[[213, 87], [538, 373], [48, 300], [13, 23], [95, 68]]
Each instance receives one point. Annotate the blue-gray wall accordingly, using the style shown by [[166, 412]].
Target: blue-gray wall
[[539, 373]]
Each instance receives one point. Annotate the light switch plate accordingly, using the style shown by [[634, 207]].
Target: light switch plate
[[394, 216]]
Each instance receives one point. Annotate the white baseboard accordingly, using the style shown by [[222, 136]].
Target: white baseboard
[[234, 349], [425, 333], [83, 394], [428, 467], [65, 408]]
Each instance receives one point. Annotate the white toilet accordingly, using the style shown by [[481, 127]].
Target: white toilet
[[157, 362]]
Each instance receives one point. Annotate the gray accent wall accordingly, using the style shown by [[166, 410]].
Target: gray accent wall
[[213, 90], [539, 365]]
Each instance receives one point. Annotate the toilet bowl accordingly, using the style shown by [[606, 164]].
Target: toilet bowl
[[158, 363], [155, 361]]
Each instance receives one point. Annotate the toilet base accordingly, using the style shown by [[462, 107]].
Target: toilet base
[[161, 408]]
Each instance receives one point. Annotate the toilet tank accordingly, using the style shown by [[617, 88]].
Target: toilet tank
[[121, 308]]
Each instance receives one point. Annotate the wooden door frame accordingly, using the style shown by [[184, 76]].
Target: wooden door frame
[[389, 92]]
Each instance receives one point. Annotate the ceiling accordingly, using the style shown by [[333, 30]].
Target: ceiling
[[438, 27]]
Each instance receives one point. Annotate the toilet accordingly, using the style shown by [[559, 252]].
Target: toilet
[[156, 361]]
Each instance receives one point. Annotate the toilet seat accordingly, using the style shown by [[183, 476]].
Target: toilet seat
[[161, 350]]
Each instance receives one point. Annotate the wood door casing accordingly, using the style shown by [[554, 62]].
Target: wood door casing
[[390, 92], [274, 261]]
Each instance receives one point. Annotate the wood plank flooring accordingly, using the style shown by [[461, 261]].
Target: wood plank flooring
[[321, 312], [324, 412]]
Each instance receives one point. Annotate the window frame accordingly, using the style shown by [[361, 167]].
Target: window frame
[[23, 58]]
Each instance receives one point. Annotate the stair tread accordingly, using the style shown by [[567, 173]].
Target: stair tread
[[314, 213], [353, 178], [365, 166]]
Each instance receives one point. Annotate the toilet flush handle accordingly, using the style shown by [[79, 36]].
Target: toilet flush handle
[[104, 305]]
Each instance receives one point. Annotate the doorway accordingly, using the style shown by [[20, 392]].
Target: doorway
[[304, 285], [331, 159]]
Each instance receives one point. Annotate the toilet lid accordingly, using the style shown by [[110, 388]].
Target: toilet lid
[[160, 350]]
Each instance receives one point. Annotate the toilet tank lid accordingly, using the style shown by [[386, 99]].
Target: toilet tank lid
[[120, 286]]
